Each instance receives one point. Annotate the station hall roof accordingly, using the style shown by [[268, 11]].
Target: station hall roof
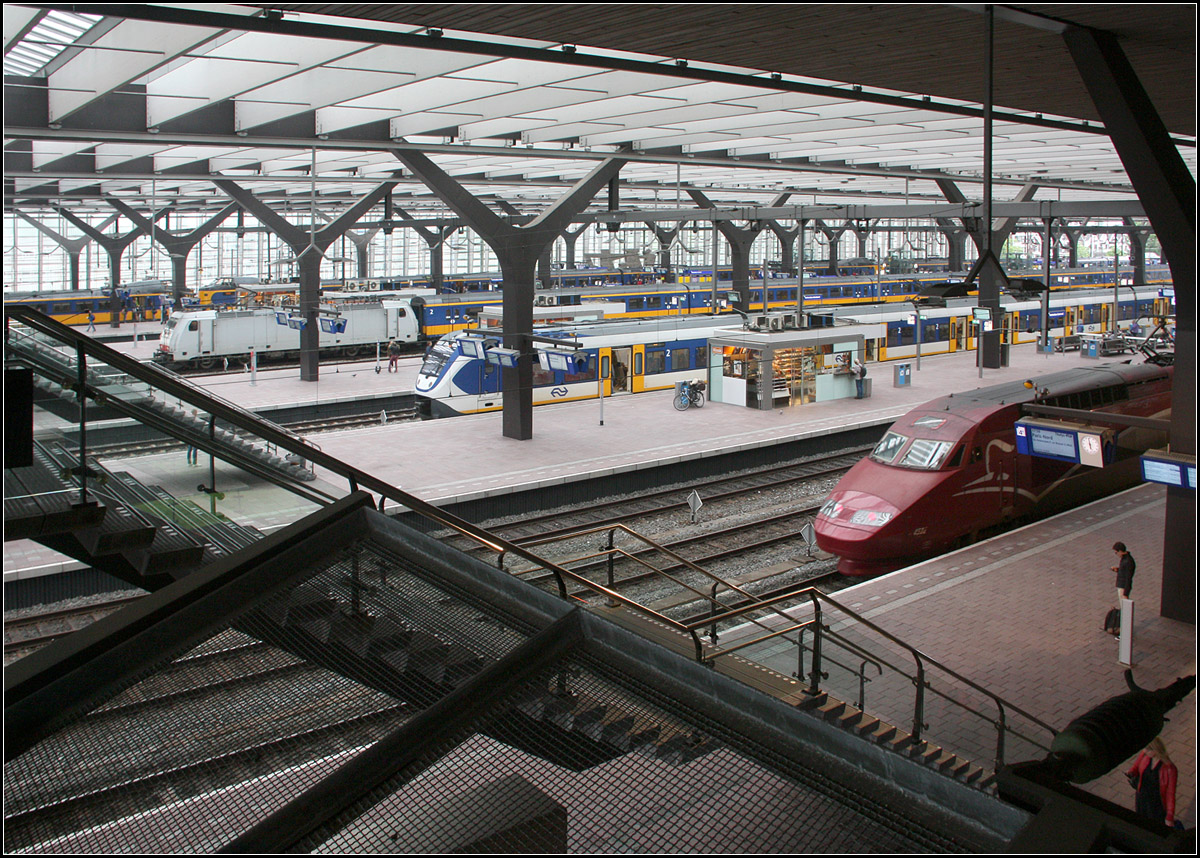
[[815, 104]]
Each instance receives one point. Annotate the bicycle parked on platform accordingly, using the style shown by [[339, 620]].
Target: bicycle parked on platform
[[690, 393]]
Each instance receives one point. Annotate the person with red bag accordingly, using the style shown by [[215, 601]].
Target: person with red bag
[[1153, 776]]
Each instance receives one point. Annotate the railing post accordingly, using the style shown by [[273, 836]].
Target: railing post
[[1001, 726], [814, 678], [712, 612], [81, 368], [919, 705], [800, 652], [611, 545]]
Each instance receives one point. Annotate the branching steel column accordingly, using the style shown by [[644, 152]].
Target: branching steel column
[[518, 247], [177, 245], [73, 246], [1168, 193], [740, 240], [309, 247], [114, 246]]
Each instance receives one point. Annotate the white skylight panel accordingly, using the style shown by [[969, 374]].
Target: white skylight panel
[[54, 33]]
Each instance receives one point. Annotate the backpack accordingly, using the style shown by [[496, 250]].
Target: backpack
[[862, 370]]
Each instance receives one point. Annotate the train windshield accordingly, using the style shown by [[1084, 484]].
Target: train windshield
[[925, 454], [439, 354], [888, 447]]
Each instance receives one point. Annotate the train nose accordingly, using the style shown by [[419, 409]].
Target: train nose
[[850, 518]]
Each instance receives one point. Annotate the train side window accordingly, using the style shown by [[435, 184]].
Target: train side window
[[193, 325], [655, 362], [680, 359]]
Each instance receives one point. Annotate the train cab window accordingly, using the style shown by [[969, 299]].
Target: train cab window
[[956, 458], [888, 447], [193, 325], [977, 454], [925, 454]]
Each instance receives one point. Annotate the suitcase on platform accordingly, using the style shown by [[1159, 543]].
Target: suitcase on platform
[[1112, 621]]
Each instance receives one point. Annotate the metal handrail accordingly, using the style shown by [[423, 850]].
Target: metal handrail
[[921, 659], [683, 561], [172, 385]]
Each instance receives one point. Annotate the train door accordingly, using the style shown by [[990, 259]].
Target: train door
[[1069, 321], [204, 327], [956, 334], [604, 358], [637, 378], [622, 363], [1106, 318]]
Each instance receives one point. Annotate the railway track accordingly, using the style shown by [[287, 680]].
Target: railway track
[[25, 634], [571, 537]]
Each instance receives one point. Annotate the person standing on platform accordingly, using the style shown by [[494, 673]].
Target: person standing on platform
[[393, 356], [860, 373], [193, 453], [1124, 569], [1153, 776]]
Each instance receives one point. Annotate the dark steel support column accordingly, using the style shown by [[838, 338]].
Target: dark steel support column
[[570, 236], [177, 245], [665, 237], [72, 246], [787, 241], [362, 247], [833, 236], [114, 246], [740, 240], [1168, 193], [309, 247], [518, 247]]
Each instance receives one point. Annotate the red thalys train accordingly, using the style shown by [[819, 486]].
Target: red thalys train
[[948, 471]]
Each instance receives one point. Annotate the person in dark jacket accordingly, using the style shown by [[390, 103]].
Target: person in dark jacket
[[393, 351], [1125, 568]]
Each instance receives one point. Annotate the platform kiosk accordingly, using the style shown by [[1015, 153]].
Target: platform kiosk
[[775, 366]]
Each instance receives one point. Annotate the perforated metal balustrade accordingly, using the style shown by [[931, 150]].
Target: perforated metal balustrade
[[392, 695]]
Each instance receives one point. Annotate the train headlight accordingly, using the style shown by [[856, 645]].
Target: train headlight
[[870, 517], [831, 509]]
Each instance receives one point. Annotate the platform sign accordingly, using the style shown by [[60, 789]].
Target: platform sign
[[506, 358], [1065, 442], [1169, 469]]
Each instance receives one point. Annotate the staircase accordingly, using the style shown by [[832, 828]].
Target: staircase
[[57, 374], [134, 532], [878, 732]]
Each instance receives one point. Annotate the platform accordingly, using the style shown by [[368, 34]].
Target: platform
[[1021, 614], [467, 458]]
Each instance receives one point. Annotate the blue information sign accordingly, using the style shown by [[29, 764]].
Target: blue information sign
[[1169, 469], [1051, 443]]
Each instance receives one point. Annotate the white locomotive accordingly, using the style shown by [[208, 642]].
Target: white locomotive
[[205, 338]]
